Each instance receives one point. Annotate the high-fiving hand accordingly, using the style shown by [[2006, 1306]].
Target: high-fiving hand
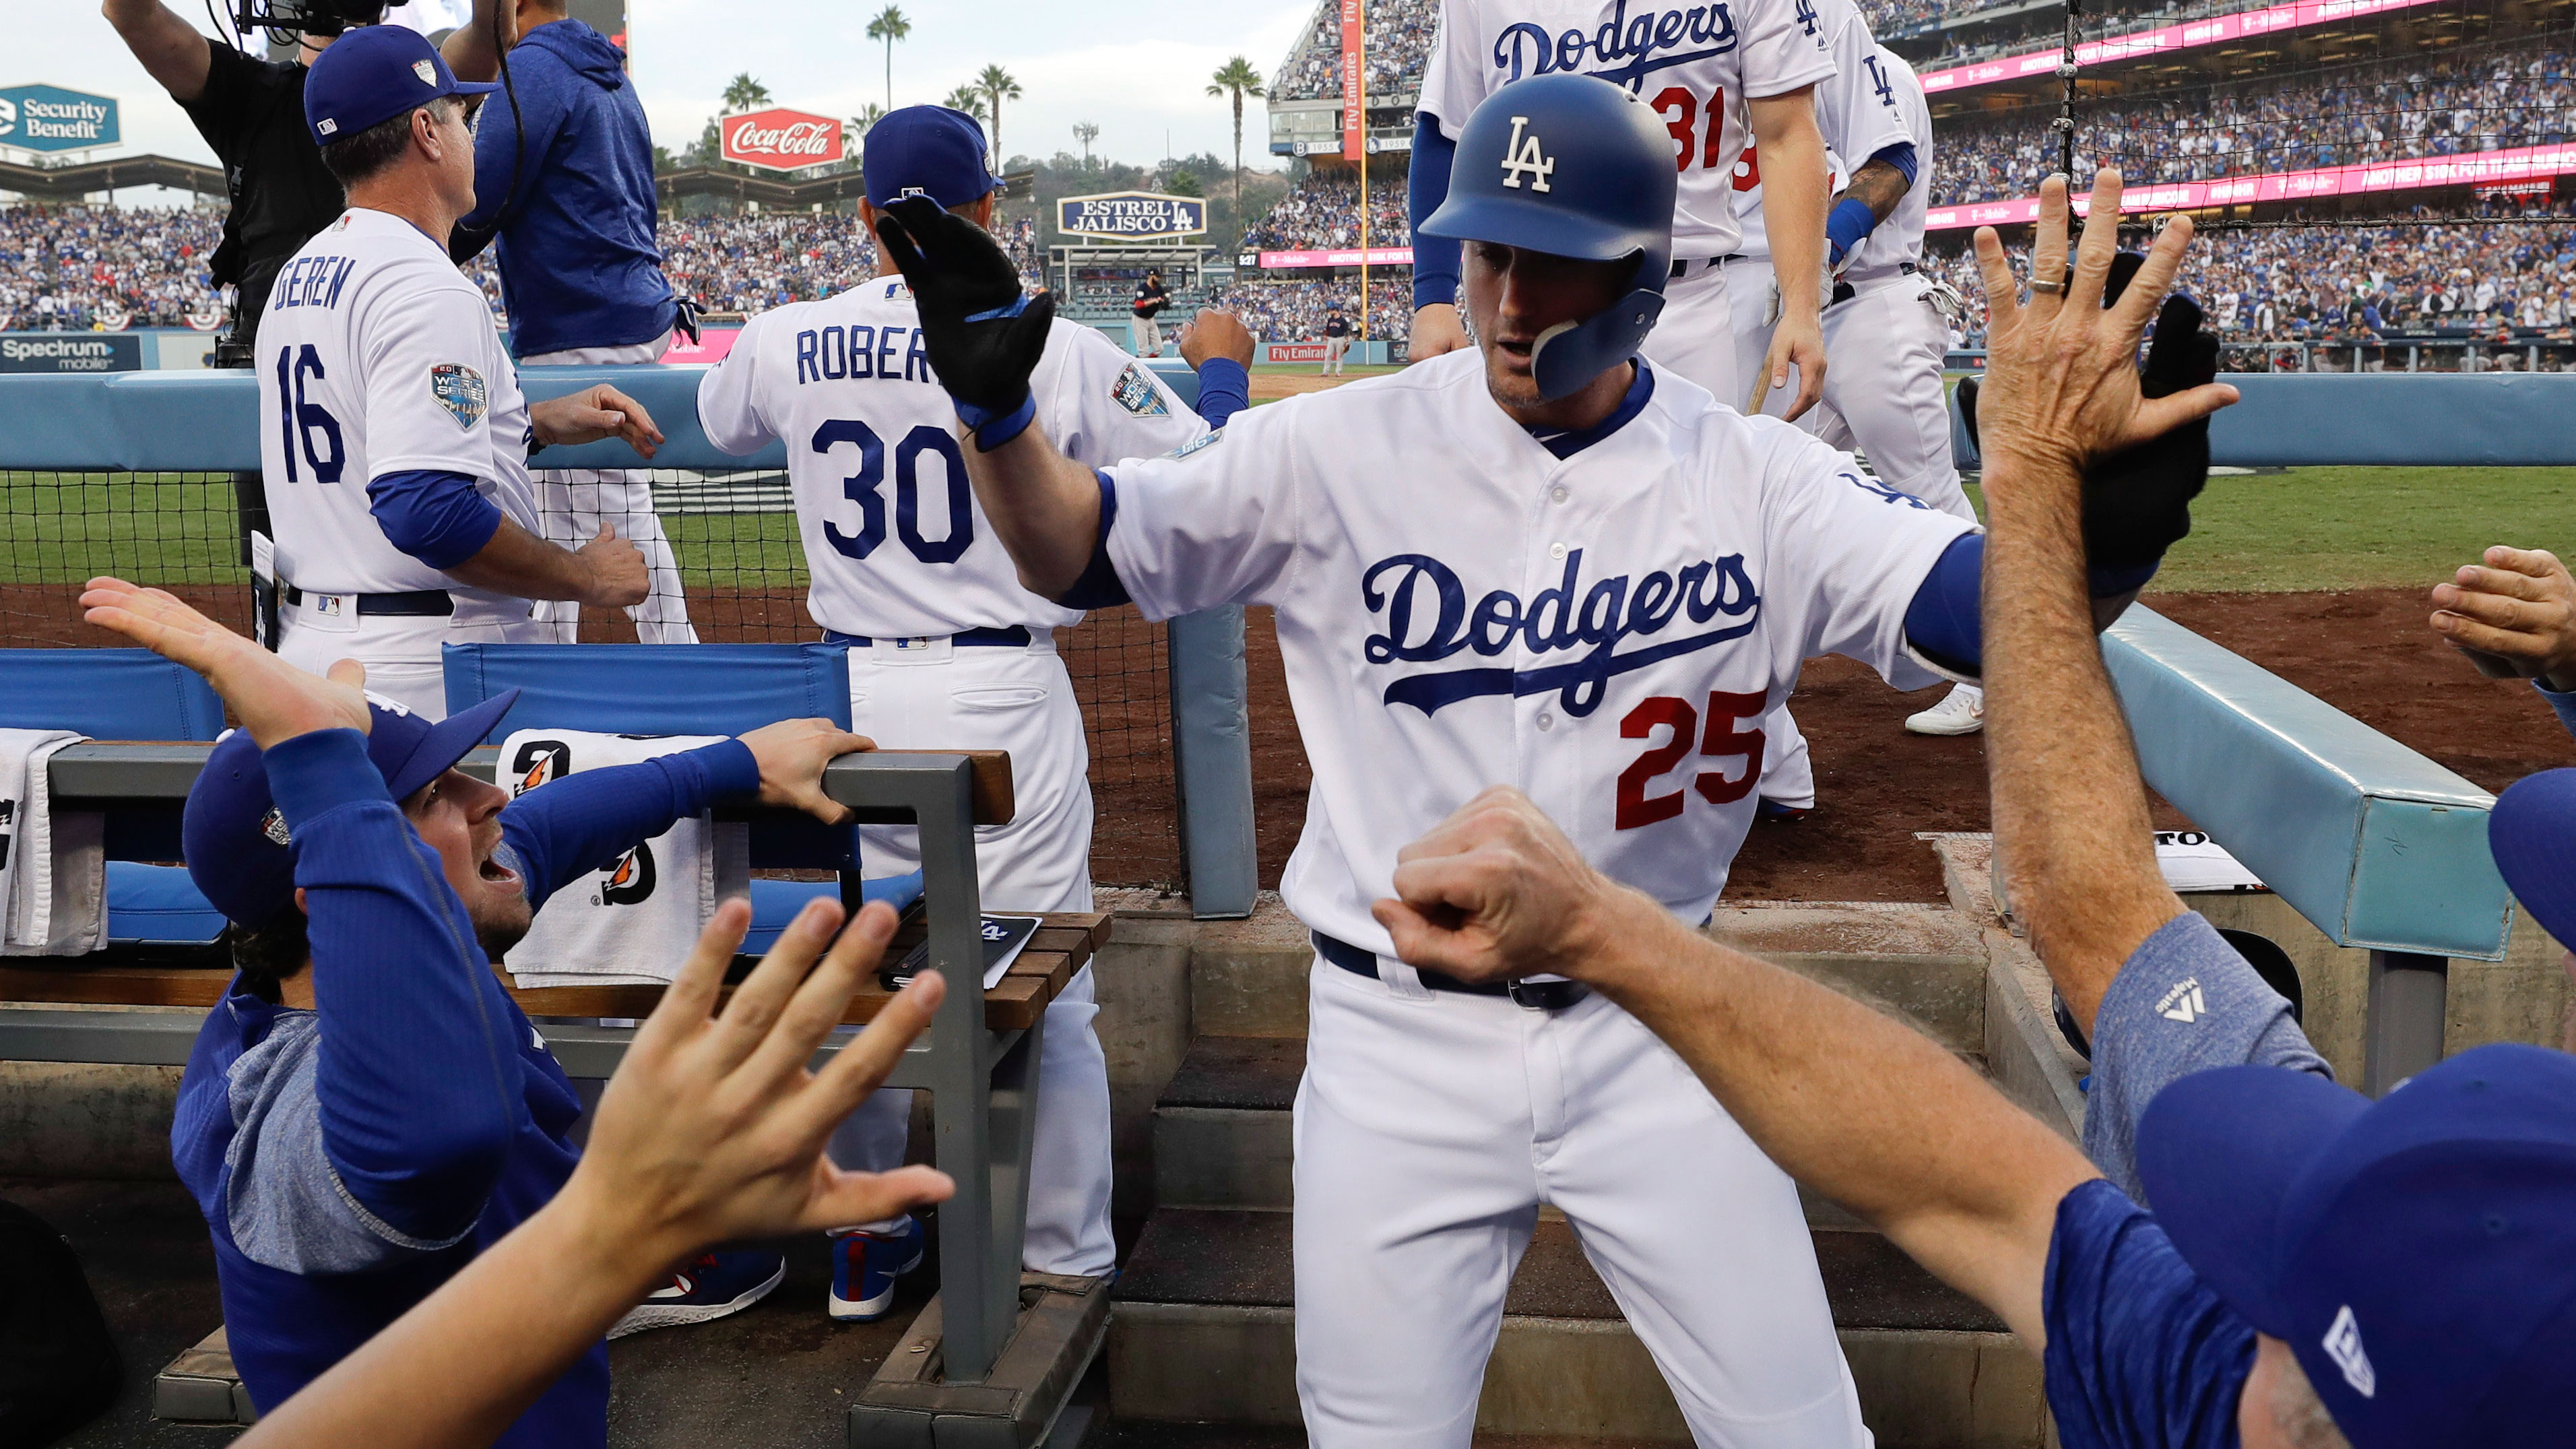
[[984, 337], [273, 699]]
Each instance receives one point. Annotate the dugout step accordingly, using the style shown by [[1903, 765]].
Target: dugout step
[[201, 1387], [1204, 1331], [1021, 1403]]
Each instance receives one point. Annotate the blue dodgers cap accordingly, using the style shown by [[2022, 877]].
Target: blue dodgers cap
[[235, 843], [373, 74], [2418, 1253], [926, 151], [2532, 834]]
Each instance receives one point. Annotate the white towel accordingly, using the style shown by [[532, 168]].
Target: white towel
[[634, 922], [53, 872]]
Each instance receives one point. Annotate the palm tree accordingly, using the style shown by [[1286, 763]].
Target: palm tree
[[889, 26], [1238, 79], [742, 93], [969, 99], [855, 129], [1086, 132], [997, 86]]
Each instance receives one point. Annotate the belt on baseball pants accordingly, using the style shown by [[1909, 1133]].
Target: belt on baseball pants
[[1684, 266], [1845, 291], [1009, 636], [1536, 995], [418, 604]]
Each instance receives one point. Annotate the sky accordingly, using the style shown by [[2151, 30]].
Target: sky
[[1139, 70]]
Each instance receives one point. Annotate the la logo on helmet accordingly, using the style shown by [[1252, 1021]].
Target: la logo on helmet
[[1522, 157]]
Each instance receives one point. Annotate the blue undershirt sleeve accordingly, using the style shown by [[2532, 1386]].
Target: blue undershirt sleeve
[[437, 517], [1435, 258], [580, 823], [2564, 703], [1225, 388], [2141, 1353], [1099, 587], [1900, 156], [1942, 622], [417, 1066]]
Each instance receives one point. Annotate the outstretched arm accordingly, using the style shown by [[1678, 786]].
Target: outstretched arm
[[1856, 1105], [173, 53], [2062, 395]]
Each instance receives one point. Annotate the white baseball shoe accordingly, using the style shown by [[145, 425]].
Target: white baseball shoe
[[1961, 712]]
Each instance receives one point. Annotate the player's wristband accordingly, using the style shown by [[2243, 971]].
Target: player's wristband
[[993, 429], [1851, 220], [2111, 581]]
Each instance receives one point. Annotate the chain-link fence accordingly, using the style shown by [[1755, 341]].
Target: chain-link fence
[[737, 565]]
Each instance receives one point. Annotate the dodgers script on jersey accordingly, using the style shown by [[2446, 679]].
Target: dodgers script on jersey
[[1604, 631], [1899, 239], [895, 541], [1696, 65], [377, 356], [1856, 112]]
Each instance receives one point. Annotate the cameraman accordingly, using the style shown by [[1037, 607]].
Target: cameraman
[[563, 179]]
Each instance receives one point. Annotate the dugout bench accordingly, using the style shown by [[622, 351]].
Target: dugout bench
[[993, 1357]]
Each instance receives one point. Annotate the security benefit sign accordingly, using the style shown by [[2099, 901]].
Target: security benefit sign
[[49, 118], [1131, 215], [780, 140]]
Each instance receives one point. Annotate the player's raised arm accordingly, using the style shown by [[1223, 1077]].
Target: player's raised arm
[[2087, 462], [985, 338]]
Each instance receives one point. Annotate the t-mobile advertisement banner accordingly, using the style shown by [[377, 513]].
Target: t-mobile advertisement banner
[[712, 345], [2215, 30], [1340, 257], [2483, 168]]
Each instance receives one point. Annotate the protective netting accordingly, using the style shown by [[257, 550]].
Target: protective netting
[[736, 574]]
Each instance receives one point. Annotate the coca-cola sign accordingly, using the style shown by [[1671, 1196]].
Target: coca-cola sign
[[781, 140]]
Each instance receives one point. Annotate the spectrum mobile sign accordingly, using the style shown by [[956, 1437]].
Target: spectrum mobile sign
[[780, 140], [1131, 214], [49, 118]]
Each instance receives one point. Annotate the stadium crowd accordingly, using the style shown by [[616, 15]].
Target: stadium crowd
[[1294, 310], [1324, 211], [1399, 36], [2497, 275], [2494, 98], [63, 268]]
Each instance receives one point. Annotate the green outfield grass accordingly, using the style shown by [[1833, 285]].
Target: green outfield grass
[[2364, 528], [2308, 528]]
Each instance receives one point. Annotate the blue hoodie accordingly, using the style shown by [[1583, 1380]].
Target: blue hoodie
[[579, 266]]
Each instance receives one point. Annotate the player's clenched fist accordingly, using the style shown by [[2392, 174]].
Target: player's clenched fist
[[984, 337], [617, 575], [1498, 891], [1215, 332]]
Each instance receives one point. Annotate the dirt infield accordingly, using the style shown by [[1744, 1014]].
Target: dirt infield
[[2367, 653]]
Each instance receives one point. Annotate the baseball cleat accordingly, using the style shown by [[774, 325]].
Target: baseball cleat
[[1773, 810], [864, 1268], [1961, 712], [709, 1286]]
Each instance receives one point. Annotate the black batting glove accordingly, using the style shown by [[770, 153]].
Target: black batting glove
[[2137, 503], [984, 336]]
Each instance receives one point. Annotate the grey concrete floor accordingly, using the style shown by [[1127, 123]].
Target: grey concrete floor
[[778, 1375]]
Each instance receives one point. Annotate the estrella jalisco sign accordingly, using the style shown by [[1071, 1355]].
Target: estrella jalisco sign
[[49, 118], [1129, 214]]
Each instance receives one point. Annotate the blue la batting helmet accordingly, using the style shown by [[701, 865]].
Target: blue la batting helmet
[[1574, 167]]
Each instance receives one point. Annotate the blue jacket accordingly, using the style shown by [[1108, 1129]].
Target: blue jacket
[[350, 1159], [574, 207]]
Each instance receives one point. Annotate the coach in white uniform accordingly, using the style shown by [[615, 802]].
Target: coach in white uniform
[[1718, 77], [393, 433], [1539, 563], [947, 649]]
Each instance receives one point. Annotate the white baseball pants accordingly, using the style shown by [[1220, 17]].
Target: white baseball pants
[[1429, 1129], [1019, 700], [573, 502], [1701, 336], [400, 652], [1884, 352]]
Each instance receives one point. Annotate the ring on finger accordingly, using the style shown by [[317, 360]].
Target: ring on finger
[[2051, 288]]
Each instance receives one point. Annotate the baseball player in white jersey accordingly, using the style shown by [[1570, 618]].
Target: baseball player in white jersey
[[1543, 563], [947, 648], [1717, 76], [392, 429], [1887, 339]]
